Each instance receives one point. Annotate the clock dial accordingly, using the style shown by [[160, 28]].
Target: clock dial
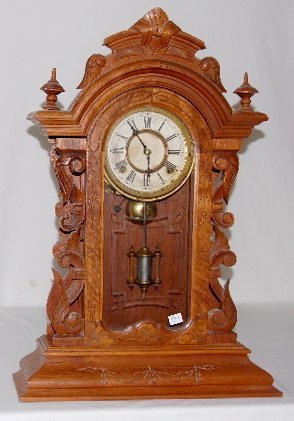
[[149, 154]]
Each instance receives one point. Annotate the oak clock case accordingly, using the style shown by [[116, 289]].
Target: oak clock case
[[145, 159]]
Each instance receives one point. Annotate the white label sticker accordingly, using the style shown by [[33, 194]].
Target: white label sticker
[[175, 319]]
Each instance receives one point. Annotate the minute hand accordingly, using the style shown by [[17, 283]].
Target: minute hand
[[135, 133], [143, 144]]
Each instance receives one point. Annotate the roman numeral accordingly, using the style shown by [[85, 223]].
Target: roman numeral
[[174, 151], [117, 150], [147, 122], [170, 167], [147, 179], [161, 126], [120, 135], [161, 179], [171, 137], [131, 176], [121, 165], [132, 125]]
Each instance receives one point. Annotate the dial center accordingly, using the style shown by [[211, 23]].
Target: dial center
[[146, 151]]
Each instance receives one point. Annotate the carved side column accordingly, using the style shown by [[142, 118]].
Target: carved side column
[[222, 314], [65, 301]]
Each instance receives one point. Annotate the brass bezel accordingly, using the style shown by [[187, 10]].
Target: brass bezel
[[170, 188]]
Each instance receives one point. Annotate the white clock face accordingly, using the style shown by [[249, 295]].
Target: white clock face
[[149, 154]]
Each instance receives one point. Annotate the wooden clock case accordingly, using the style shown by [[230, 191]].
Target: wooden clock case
[[103, 340]]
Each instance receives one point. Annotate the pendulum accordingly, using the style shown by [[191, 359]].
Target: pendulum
[[141, 262]]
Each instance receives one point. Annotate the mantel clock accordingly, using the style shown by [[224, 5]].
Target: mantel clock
[[145, 159]]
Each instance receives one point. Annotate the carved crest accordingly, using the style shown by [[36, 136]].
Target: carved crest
[[156, 30], [153, 34]]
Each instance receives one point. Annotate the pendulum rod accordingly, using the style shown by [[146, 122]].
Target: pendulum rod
[[144, 226]]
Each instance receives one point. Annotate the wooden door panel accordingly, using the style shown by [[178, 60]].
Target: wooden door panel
[[170, 231]]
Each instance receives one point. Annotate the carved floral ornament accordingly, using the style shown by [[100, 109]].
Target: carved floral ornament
[[156, 30]]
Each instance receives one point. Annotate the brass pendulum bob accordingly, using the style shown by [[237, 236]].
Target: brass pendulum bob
[[144, 270]]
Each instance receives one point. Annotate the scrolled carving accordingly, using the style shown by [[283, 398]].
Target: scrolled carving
[[220, 252], [225, 220], [228, 163], [68, 252], [66, 290], [220, 218], [211, 69], [225, 166], [65, 181], [223, 318], [156, 30], [94, 66], [71, 210], [64, 321], [63, 309]]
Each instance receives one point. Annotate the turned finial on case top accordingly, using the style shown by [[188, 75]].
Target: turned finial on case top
[[52, 88], [245, 92]]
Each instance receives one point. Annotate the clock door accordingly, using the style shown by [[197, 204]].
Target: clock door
[[170, 231]]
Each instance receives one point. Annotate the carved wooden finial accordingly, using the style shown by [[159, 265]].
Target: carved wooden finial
[[52, 88], [245, 92]]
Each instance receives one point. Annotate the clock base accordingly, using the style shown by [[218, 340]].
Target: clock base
[[219, 371]]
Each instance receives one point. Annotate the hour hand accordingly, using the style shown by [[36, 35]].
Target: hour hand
[[147, 175], [146, 179]]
